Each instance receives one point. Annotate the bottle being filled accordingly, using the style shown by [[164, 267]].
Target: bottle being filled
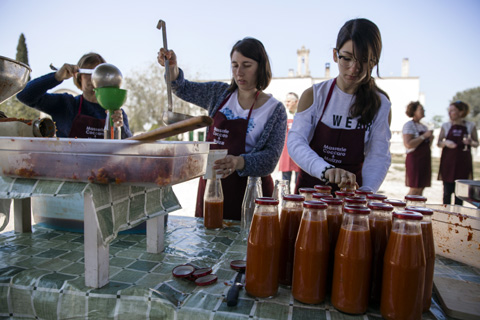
[[110, 131], [213, 203]]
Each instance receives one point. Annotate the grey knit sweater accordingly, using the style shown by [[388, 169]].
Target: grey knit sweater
[[263, 158]]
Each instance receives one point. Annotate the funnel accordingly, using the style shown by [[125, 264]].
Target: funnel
[[110, 98], [13, 77]]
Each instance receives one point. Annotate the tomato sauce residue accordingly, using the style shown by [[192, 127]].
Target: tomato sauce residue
[[470, 236]]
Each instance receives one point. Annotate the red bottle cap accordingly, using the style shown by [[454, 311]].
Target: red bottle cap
[[322, 188], [380, 206], [422, 210], [395, 202], [293, 197], [266, 201], [306, 190], [363, 192], [238, 265], [314, 204], [344, 194], [318, 195], [355, 200], [206, 280], [415, 198], [407, 215], [183, 271], [201, 272], [355, 209], [332, 201], [376, 196]]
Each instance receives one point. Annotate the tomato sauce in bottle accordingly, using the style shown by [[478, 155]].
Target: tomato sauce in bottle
[[327, 190], [398, 205], [334, 220], [311, 254], [353, 261], [380, 223], [375, 197], [290, 217], [404, 269], [429, 247], [415, 200], [213, 204], [307, 193], [263, 250], [344, 194]]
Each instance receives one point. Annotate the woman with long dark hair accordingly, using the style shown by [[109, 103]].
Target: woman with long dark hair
[[341, 133], [249, 123]]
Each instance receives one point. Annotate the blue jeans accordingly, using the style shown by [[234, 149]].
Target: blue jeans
[[287, 175]]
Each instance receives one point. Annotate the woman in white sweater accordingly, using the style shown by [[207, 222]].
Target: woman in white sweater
[[341, 133]]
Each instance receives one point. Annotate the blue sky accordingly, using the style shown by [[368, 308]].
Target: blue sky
[[440, 38]]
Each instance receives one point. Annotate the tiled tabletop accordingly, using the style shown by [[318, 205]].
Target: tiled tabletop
[[42, 276]]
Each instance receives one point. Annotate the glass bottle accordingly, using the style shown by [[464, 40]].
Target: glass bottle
[[362, 193], [307, 193], [404, 269], [327, 190], [290, 217], [319, 196], [355, 201], [213, 203], [398, 205], [380, 223], [311, 254], [344, 194], [110, 131], [252, 192], [281, 187], [415, 200], [429, 248], [353, 260], [263, 250], [334, 220], [375, 197]]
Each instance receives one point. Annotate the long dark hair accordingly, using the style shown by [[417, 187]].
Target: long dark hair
[[367, 46], [254, 49]]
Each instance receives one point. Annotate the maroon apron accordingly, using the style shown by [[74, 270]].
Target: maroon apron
[[232, 137], [456, 163], [339, 147], [84, 126], [418, 165]]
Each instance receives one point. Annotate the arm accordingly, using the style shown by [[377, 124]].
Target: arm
[[377, 149], [262, 160], [301, 134], [443, 142], [35, 95]]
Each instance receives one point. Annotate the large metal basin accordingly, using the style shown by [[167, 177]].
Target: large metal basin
[[13, 77], [469, 191]]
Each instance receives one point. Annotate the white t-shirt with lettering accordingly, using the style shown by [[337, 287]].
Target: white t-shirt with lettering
[[377, 135], [258, 118]]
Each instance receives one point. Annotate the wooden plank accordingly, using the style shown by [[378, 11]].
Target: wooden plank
[[174, 129], [459, 299]]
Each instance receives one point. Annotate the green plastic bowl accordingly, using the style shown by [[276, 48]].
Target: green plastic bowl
[[110, 98]]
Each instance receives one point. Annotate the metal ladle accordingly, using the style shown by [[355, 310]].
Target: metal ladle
[[169, 117]]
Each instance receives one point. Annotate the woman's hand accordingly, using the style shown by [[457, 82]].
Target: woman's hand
[[172, 62], [117, 118], [341, 177], [449, 144], [228, 165], [66, 72]]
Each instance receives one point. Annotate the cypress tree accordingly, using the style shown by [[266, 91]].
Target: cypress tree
[[22, 51]]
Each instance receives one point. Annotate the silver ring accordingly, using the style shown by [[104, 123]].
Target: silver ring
[[229, 170]]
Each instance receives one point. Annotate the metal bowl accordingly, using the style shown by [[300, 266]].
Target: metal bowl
[[106, 75], [13, 77], [468, 190]]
